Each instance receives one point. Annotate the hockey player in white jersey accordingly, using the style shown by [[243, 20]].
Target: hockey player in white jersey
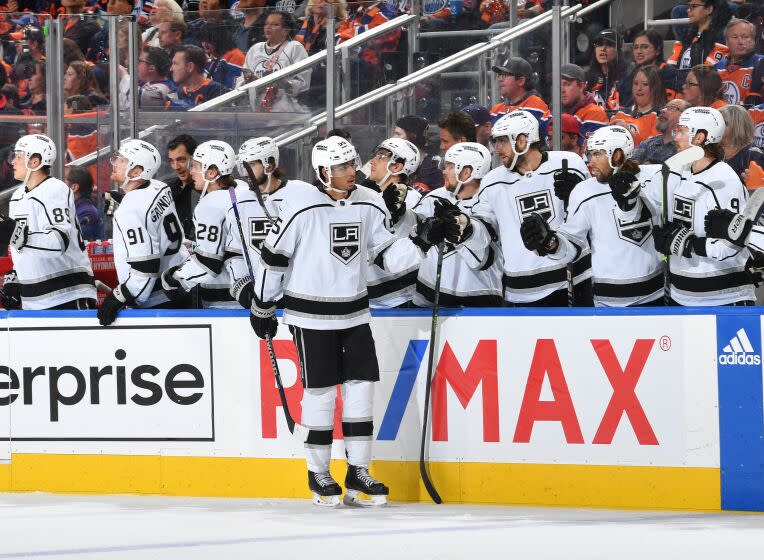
[[531, 180], [49, 256], [467, 280], [607, 213], [316, 257], [212, 165], [703, 271], [148, 236], [262, 155], [394, 161]]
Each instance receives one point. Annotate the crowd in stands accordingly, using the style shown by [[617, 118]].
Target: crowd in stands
[[191, 53]]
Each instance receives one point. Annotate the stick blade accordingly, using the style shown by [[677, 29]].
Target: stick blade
[[755, 206], [685, 158]]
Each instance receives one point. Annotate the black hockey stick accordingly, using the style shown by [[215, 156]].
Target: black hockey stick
[[664, 218], [428, 382], [298, 430], [569, 268]]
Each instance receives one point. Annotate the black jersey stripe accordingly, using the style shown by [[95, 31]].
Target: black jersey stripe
[[633, 290], [215, 295], [538, 280], [728, 281], [45, 287], [392, 285], [327, 308], [581, 265], [213, 265], [274, 260], [452, 300]]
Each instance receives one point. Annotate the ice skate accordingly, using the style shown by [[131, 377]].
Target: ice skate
[[326, 491], [364, 490]]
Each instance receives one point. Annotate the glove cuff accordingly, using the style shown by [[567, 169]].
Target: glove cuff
[[697, 246], [262, 311], [239, 290], [423, 245], [123, 295], [739, 229]]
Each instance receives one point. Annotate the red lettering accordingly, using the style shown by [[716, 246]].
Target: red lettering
[[547, 362], [624, 399], [482, 369]]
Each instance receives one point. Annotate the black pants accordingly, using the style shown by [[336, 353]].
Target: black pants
[[81, 303]]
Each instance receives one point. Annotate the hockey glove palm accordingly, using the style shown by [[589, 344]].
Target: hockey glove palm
[[456, 223], [673, 238], [537, 235], [172, 286], [11, 291], [564, 183], [427, 233], [116, 301], [112, 201], [725, 224], [395, 200], [263, 320], [625, 189]]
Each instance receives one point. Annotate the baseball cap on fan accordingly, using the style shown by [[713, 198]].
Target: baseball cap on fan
[[608, 37], [515, 66], [479, 114], [573, 72]]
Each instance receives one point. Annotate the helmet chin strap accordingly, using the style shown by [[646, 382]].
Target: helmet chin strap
[[517, 155], [207, 183], [29, 172], [328, 183], [384, 179], [459, 183]]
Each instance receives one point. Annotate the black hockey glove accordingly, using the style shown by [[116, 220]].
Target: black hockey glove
[[564, 183], [726, 224], [427, 233], [263, 320], [456, 223], [10, 294], [537, 235], [112, 200], [625, 189], [172, 286], [395, 200], [116, 301], [673, 238], [7, 225], [243, 292], [19, 235]]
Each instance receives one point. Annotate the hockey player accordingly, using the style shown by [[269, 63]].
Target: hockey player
[[703, 271], [394, 161], [262, 155], [212, 164], [148, 236], [46, 245], [466, 280], [607, 213], [316, 257], [531, 180]]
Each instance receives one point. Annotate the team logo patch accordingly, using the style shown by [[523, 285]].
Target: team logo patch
[[634, 231], [539, 202], [345, 241], [731, 93], [259, 228], [683, 208]]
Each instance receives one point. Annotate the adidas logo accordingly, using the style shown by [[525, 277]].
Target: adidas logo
[[740, 351]]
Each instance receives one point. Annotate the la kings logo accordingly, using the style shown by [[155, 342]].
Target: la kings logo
[[345, 241], [683, 210], [634, 231], [539, 202], [259, 228]]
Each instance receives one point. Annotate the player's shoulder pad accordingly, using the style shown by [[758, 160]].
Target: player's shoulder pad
[[575, 162], [213, 206], [18, 194], [585, 191], [499, 176], [648, 171], [53, 191]]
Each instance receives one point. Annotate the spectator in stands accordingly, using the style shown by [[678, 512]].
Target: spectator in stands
[[737, 68], [250, 30], [571, 138], [414, 129], [483, 122], [224, 59], [71, 52], [81, 182], [661, 147], [171, 35], [80, 80], [312, 33], [703, 87], [278, 51], [79, 23], [179, 152], [164, 10], [607, 66], [647, 48], [456, 127], [194, 87], [209, 11], [98, 49], [81, 137], [704, 41], [579, 103], [153, 77], [35, 101], [739, 152], [649, 96], [516, 80]]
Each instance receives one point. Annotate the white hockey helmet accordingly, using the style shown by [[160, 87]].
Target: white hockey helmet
[[214, 153], [140, 154], [402, 151], [609, 139], [332, 151], [512, 125], [260, 149], [468, 154], [707, 119], [40, 144]]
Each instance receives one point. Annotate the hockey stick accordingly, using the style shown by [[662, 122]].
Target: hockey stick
[[569, 268], [297, 430], [428, 382], [754, 208]]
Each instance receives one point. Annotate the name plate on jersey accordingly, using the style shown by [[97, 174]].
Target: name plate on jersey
[[136, 383]]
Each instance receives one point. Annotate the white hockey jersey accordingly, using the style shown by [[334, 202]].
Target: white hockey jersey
[[626, 268], [317, 258], [263, 60], [466, 280], [504, 200], [53, 267], [719, 278], [393, 289], [148, 239]]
